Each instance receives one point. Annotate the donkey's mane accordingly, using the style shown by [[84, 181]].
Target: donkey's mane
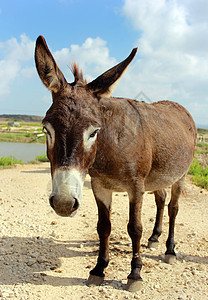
[[78, 75]]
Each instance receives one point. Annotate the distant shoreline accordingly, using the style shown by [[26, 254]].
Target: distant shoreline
[[34, 118], [20, 118]]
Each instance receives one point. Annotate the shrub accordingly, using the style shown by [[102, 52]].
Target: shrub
[[202, 145], [200, 174], [9, 161], [42, 158]]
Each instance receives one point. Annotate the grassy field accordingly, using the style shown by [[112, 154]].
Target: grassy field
[[199, 166], [23, 133]]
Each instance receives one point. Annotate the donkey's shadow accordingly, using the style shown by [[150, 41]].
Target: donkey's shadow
[[25, 259]]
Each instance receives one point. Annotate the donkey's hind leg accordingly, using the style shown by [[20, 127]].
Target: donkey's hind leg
[[103, 199], [176, 190], [160, 196]]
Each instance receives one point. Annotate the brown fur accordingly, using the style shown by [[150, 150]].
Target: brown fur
[[140, 147], [78, 75]]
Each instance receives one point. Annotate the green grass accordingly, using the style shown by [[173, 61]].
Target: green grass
[[199, 174], [25, 133], [42, 158], [9, 161], [202, 145], [199, 168], [21, 137]]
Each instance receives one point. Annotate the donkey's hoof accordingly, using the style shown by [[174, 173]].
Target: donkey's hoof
[[134, 285], [94, 280], [170, 259], [152, 245]]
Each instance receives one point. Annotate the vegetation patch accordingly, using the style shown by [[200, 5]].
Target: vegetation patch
[[23, 133], [6, 161], [199, 166], [42, 158]]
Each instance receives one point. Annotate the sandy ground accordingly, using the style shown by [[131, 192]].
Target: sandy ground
[[44, 256]]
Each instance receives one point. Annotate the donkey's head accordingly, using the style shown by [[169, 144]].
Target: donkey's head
[[72, 125]]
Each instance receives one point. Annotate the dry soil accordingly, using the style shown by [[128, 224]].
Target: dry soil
[[44, 256]]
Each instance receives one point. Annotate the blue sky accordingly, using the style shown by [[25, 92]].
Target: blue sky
[[172, 60]]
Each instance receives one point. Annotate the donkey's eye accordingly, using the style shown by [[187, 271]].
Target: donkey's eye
[[89, 136], [50, 134], [93, 134], [46, 131]]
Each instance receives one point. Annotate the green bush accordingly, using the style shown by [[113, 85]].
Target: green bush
[[202, 145], [199, 174], [200, 180], [9, 161], [29, 134], [42, 158]]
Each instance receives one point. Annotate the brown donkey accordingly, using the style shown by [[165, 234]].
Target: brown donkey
[[125, 145]]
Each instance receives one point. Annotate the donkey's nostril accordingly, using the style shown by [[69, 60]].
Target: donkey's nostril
[[76, 204], [51, 201]]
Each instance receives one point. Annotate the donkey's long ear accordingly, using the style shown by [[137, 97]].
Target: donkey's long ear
[[105, 83], [49, 72]]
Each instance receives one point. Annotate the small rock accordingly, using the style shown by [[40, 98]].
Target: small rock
[[31, 262], [53, 223], [156, 286], [58, 271], [143, 291], [181, 297], [34, 254], [41, 259], [35, 279], [54, 234], [121, 270], [89, 267]]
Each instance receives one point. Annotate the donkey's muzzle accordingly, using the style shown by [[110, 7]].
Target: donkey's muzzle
[[64, 208], [66, 193]]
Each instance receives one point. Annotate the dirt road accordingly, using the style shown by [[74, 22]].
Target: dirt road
[[44, 256]]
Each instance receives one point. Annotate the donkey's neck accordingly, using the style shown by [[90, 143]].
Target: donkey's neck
[[120, 138]]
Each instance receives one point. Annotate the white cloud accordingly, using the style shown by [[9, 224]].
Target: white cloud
[[8, 72], [28, 72], [92, 56], [18, 51], [17, 65], [173, 49], [15, 54]]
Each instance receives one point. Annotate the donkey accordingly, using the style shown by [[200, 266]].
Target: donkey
[[125, 145]]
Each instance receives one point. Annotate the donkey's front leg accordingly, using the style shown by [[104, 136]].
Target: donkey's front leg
[[135, 232], [103, 228]]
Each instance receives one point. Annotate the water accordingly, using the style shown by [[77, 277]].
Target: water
[[24, 151]]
